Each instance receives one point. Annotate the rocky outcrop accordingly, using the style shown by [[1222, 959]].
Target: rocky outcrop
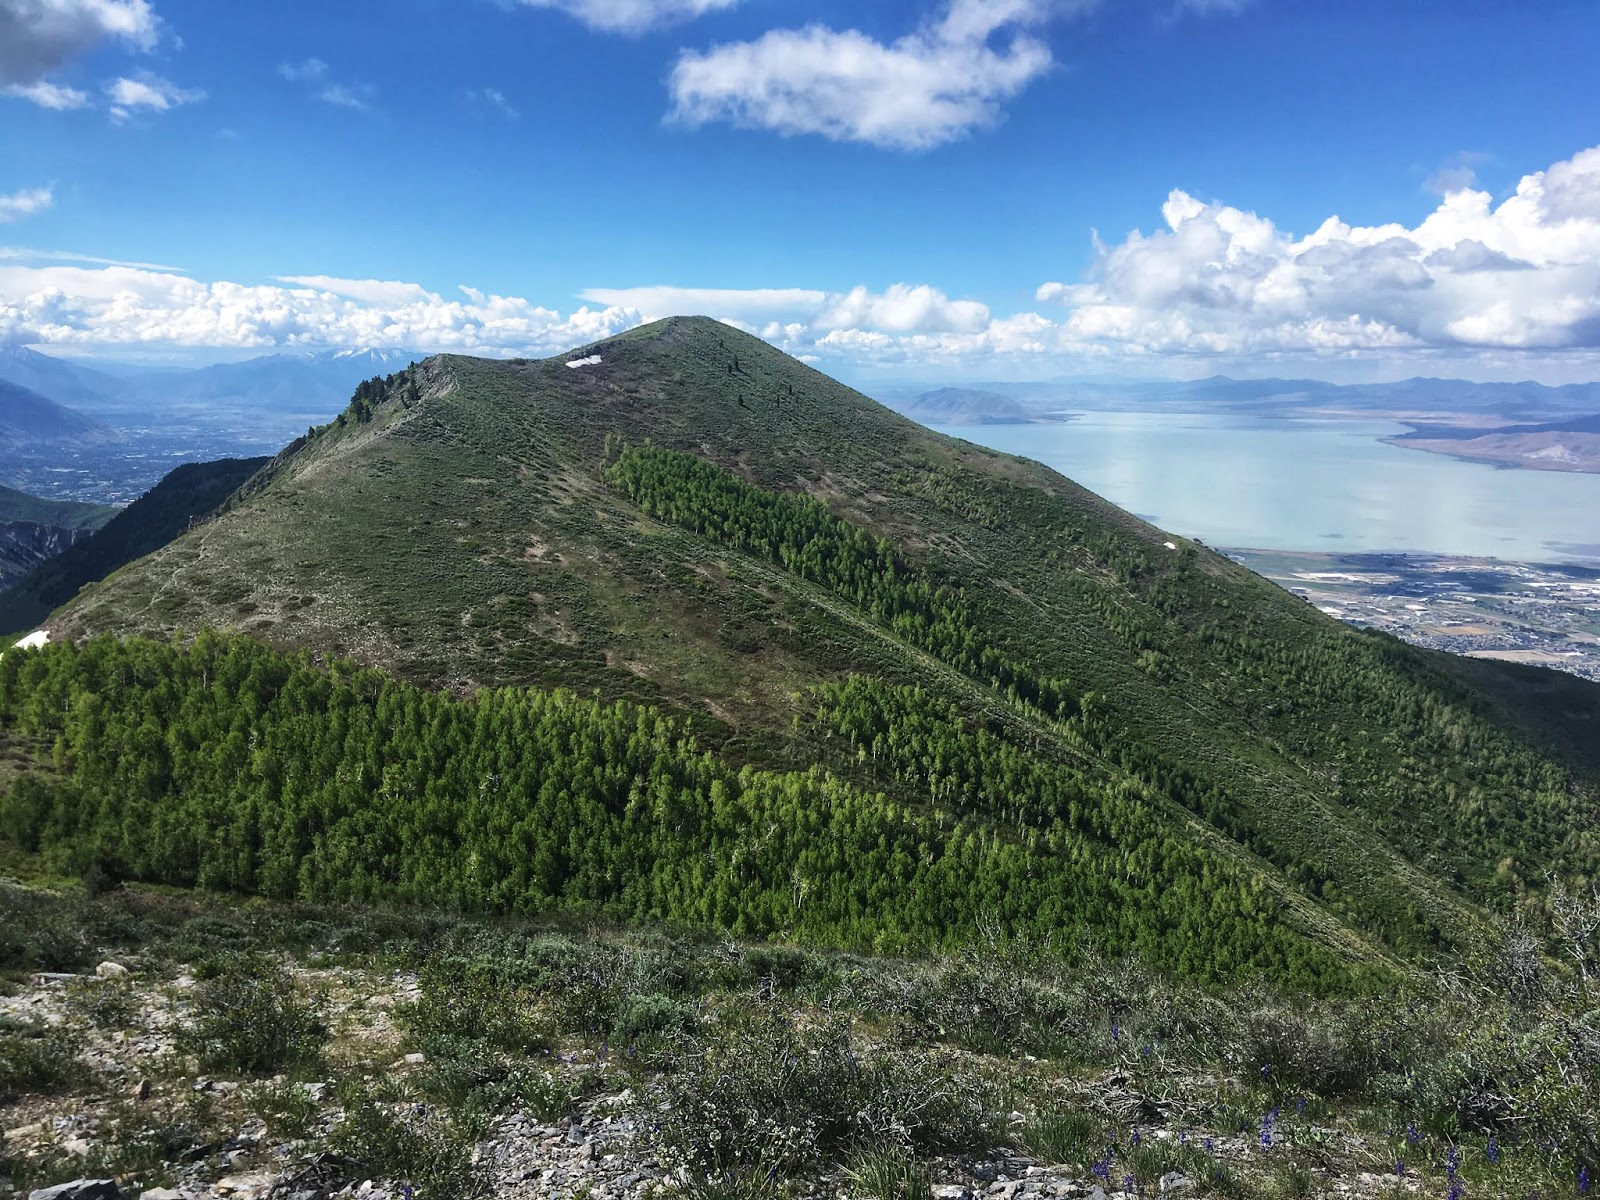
[[26, 544]]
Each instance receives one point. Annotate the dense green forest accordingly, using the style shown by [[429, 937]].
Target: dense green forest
[[803, 536], [1392, 714], [226, 765]]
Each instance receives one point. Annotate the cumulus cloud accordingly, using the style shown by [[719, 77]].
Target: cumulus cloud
[[24, 204], [932, 86], [40, 36], [49, 95], [799, 312], [149, 92], [631, 16], [1520, 274], [127, 306], [1505, 283]]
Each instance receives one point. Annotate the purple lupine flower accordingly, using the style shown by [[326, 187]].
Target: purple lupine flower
[[1183, 1137], [1127, 1183], [1492, 1152], [1413, 1134], [1400, 1167], [1457, 1190], [1211, 1145], [1267, 1122], [1136, 1137], [1583, 1181], [1101, 1170]]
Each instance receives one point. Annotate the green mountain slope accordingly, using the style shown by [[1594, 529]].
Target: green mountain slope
[[187, 493], [19, 508], [974, 649]]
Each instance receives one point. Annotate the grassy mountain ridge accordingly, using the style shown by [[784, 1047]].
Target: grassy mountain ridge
[[457, 525]]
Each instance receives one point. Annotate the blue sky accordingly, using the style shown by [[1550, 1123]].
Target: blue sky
[[912, 188]]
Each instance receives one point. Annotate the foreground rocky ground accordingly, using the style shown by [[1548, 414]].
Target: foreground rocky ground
[[166, 1048]]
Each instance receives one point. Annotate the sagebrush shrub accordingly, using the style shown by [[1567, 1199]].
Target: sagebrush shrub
[[247, 1015], [771, 1088]]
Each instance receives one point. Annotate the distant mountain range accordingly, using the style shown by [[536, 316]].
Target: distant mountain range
[[28, 419], [317, 384], [1572, 445], [69, 430], [967, 406], [59, 379], [1527, 424], [1437, 400]]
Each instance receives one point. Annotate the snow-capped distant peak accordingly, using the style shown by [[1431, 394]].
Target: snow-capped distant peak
[[374, 354]]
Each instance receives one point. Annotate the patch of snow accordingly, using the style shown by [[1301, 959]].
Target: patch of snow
[[35, 640], [584, 362], [1170, 545]]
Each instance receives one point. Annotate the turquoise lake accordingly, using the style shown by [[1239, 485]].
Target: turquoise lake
[[1310, 485]]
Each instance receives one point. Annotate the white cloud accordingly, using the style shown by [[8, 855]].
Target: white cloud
[[313, 73], [49, 95], [378, 292], [24, 204], [39, 36], [900, 308], [631, 16], [752, 303], [118, 306], [1509, 288], [929, 87], [357, 96], [308, 71], [1521, 274], [147, 92], [1207, 8], [904, 309]]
